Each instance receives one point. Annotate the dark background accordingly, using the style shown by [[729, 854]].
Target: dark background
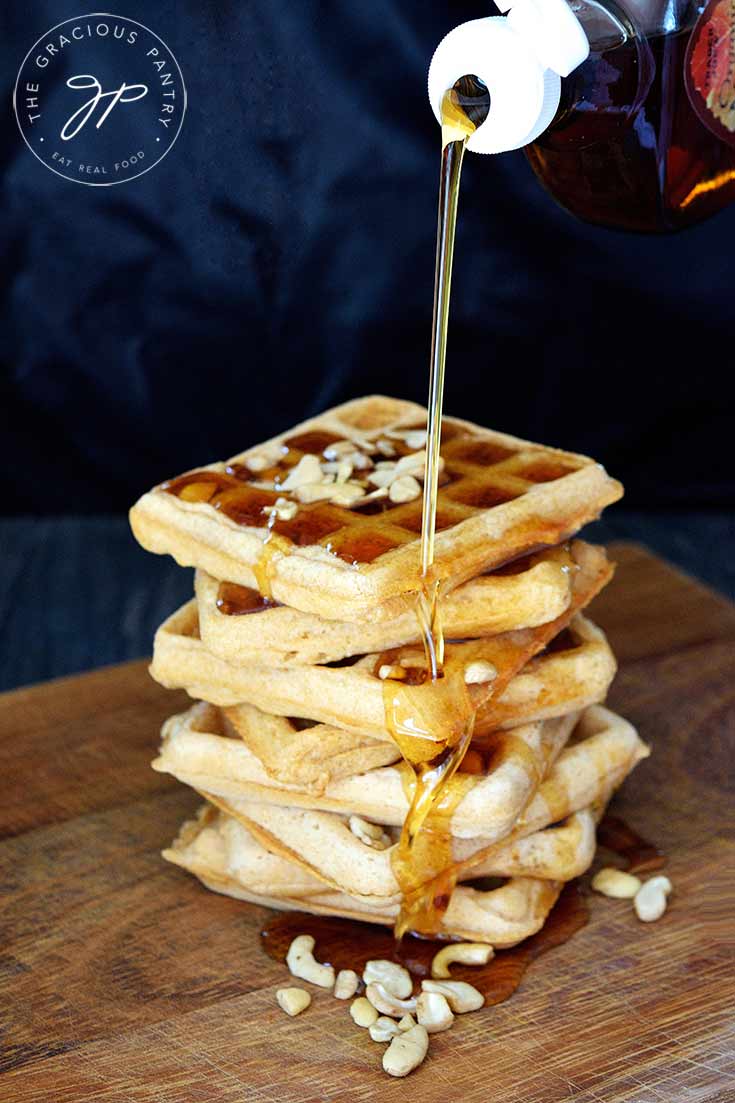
[[279, 260]]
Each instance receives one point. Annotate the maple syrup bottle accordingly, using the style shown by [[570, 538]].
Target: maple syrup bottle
[[644, 137]]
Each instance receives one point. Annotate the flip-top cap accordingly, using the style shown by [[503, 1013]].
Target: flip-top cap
[[524, 94], [552, 29]]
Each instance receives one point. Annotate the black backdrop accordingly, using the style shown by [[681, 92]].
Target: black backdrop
[[280, 259]]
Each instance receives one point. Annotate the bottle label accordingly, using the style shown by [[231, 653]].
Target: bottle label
[[709, 68]]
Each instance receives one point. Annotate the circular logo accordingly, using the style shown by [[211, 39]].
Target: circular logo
[[100, 99]]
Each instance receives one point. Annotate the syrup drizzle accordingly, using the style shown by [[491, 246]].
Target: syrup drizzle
[[422, 861], [347, 944]]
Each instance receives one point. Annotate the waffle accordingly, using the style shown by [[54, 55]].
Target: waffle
[[226, 860], [322, 845], [352, 696], [298, 752], [309, 755], [196, 752], [526, 593], [578, 676], [501, 498], [573, 672]]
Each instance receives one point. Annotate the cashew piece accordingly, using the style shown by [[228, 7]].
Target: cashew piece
[[293, 1000], [465, 953], [460, 996], [433, 1012], [346, 984], [301, 962], [392, 976], [383, 1029], [616, 883], [371, 834], [479, 672], [406, 1022], [362, 1011], [650, 900], [406, 1051], [386, 1003]]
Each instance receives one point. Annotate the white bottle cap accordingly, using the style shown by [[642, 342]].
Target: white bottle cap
[[552, 29], [524, 93]]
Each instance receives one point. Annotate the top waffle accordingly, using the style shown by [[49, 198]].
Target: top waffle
[[343, 545]]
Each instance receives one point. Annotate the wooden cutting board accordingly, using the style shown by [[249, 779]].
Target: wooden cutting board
[[122, 980]]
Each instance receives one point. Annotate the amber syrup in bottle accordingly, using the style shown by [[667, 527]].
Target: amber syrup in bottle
[[627, 148]]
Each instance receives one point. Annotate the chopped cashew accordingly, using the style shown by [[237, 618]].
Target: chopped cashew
[[283, 509], [383, 1029], [406, 1022], [386, 1003], [415, 438], [479, 672], [346, 494], [362, 1011], [383, 475], [301, 962], [650, 900], [460, 996], [463, 953], [293, 1000], [339, 449], [394, 978], [404, 489], [315, 492], [414, 463], [406, 1051], [392, 671], [346, 984], [307, 470], [344, 470], [433, 1012], [372, 834], [616, 883]]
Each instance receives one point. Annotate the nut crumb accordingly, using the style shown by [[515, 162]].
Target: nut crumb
[[479, 672], [293, 1000], [404, 489]]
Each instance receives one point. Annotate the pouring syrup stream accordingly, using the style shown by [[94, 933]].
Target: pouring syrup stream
[[433, 746]]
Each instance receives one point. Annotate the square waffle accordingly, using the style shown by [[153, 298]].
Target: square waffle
[[351, 695], [571, 675], [237, 624], [322, 845], [500, 497], [504, 797], [310, 860], [227, 858]]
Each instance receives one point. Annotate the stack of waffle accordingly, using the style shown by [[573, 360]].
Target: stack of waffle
[[307, 551]]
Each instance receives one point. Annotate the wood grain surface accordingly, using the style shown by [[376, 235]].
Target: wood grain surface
[[122, 980]]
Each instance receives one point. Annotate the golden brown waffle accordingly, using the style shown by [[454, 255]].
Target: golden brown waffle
[[343, 862], [300, 752], [348, 695], [501, 498], [578, 676], [196, 750], [573, 672], [607, 748], [226, 860], [309, 754], [238, 626], [323, 845]]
